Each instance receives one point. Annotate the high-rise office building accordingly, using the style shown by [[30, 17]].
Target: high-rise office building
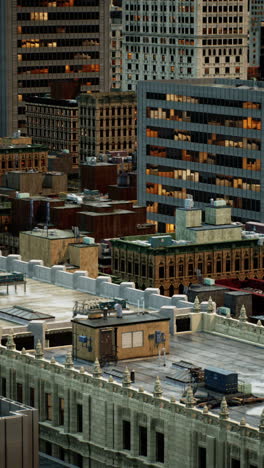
[[42, 41], [116, 45], [204, 138], [256, 15], [170, 39]]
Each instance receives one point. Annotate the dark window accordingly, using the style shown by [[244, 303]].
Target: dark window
[[136, 268], [126, 435], [235, 463], [190, 269], [48, 449], [19, 392], [171, 271], [161, 272], [183, 324], [228, 265], [150, 270], [61, 411], [255, 263], [79, 418], [48, 406], [129, 266], [3, 390], [116, 263], [31, 396], [181, 269], [160, 447], [143, 441], [209, 267], [143, 270], [246, 264], [237, 264], [201, 457], [218, 266]]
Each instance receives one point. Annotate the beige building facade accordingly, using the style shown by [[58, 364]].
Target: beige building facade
[[107, 123]]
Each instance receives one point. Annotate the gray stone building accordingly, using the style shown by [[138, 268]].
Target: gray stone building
[[204, 138], [169, 39], [85, 418]]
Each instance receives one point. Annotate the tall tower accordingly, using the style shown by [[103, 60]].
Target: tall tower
[[168, 39], [42, 41]]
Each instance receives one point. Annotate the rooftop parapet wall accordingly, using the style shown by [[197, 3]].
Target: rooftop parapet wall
[[106, 400], [150, 298]]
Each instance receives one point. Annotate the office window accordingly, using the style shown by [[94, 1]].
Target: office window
[[201, 457], [143, 441], [79, 418], [160, 447], [31, 396], [126, 435], [19, 392], [3, 385], [132, 339]]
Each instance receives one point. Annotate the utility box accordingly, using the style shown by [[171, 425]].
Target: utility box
[[235, 299], [221, 380]]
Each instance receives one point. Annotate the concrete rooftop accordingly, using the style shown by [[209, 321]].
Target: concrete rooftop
[[202, 350], [44, 297]]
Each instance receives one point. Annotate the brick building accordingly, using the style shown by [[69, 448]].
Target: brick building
[[19, 153], [216, 249]]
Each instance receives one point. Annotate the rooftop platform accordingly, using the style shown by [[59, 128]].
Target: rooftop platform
[[45, 298], [202, 350]]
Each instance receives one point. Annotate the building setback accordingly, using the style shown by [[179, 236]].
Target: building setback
[[169, 39], [204, 138], [46, 41], [107, 123]]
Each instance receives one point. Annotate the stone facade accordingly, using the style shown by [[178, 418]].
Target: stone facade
[[107, 123], [169, 269], [86, 418]]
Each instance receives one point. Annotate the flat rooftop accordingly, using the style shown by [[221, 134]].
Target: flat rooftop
[[202, 350], [125, 320], [50, 234], [217, 83], [46, 298]]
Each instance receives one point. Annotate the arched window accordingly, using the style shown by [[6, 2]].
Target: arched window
[[162, 290], [171, 290]]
